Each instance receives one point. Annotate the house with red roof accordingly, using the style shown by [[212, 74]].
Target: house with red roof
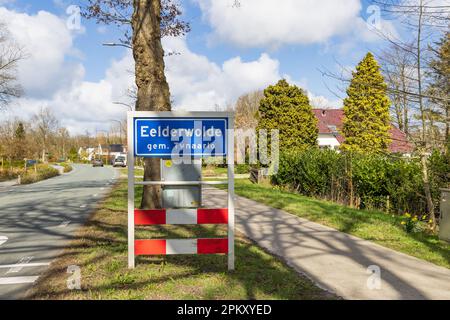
[[330, 125]]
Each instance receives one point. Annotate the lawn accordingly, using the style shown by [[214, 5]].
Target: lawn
[[100, 250], [375, 226]]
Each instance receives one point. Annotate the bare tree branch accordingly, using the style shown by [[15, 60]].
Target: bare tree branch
[[10, 55]]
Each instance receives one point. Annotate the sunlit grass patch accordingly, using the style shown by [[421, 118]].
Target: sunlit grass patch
[[375, 226], [100, 250]]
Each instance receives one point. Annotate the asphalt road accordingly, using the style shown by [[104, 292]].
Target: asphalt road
[[37, 221]]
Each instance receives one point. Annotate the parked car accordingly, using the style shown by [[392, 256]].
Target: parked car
[[120, 162], [97, 163]]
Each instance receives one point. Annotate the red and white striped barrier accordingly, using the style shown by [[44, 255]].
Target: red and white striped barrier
[[185, 246], [181, 216], [137, 140]]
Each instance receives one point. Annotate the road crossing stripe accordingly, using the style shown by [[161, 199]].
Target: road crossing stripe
[[24, 265], [20, 265], [3, 239], [18, 280], [64, 224]]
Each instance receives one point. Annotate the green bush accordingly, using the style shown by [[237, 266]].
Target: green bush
[[43, 172], [375, 181], [67, 167], [11, 169], [9, 174], [242, 168], [312, 173]]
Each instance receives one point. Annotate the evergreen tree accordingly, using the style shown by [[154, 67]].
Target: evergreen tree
[[367, 120], [73, 154], [286, 108], [440, 83], [20, 131], [19, 142]]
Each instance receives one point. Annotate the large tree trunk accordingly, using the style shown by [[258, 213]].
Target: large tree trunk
[[153, 90]]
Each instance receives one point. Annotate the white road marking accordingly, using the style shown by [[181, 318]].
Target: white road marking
[[19, 265], [18, 280], [64, 224], [3, 239], [95, 195], [83, 206], [26, 265], [102, 189]]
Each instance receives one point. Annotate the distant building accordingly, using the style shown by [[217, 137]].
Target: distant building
[[108, 152], [87, 153], [330, 125], [113, 151]]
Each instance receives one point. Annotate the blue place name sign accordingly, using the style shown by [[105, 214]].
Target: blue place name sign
[[167, 137]]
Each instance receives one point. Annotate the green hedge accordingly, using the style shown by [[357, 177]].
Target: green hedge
[[389, 183], [43, 172], [67, 167], [9, 174]]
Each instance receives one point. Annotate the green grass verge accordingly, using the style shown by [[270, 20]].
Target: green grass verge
[[67, 167], [10, 174], [43, 172], [100, 250], [375, 226]]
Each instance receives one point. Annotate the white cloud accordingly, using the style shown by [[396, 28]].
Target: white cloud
[[322, 102], [85, 105], [46, 42], [199, 84], [257, 23], [50, 81], [196, 83]]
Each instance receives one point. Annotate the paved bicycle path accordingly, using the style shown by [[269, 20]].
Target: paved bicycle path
[[336, 261]]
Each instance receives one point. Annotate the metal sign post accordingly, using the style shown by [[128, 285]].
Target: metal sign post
[[180, 136]]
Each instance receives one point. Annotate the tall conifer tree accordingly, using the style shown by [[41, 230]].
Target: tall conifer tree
[[367, 121], [286, 108]]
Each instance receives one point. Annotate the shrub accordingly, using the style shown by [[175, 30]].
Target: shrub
[[374, 181], [67, 167], [43, 172], [242, 168], [6, 175], [313, 173]]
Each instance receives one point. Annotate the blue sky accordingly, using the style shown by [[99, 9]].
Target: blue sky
[[224, 47]]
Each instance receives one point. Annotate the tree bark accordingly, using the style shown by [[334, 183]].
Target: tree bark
[[152, 87], [424, 160], [427, 188], [447, 128]]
